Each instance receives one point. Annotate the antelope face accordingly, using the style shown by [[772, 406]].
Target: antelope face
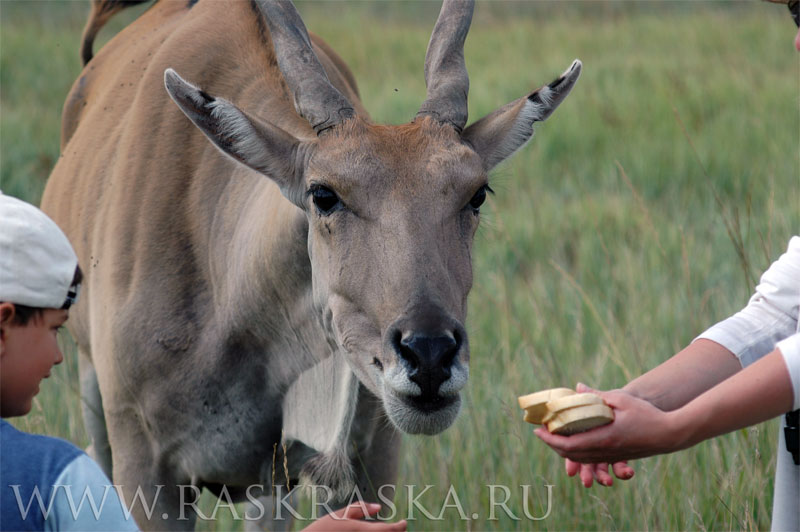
[[392, 213]]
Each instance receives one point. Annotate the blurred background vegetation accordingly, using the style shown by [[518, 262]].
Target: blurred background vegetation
[[643, 211]]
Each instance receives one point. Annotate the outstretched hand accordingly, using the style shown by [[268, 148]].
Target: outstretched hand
[[588, 473], [351, 518], [599, 472], [638, 430]]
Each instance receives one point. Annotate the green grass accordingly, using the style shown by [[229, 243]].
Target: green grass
[[606, 248]]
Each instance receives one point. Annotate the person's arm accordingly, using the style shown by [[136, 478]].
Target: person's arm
[[755, 394], [670, 385], [771, 315], [718, 353], [758, 393], [695, 369]]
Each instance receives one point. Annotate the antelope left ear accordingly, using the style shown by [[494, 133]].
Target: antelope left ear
[[259, 145], [499, 134]]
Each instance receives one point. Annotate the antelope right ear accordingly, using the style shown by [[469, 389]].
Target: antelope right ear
[[499, 134], [259, 145]]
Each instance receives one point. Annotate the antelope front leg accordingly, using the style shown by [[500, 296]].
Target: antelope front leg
[[157, 498]]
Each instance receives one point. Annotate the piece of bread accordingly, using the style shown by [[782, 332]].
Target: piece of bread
[[566, 402], [565, 411], [580, 419], [535, 404]]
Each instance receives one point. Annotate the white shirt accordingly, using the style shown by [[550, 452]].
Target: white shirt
[[770, 319]]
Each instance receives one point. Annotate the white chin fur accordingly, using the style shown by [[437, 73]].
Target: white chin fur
[[414, 421]]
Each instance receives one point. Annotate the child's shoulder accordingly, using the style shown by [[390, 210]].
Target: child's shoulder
[[47, 452]]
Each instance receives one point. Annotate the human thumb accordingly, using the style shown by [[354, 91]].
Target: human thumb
[[360, 510], [610, 398]]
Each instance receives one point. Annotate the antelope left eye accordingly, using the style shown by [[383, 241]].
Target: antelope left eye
[[324, 199], [479, 197]]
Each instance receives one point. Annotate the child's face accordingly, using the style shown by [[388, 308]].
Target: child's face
[[27, 353]]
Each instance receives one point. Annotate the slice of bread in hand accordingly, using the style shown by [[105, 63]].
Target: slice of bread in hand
[[535, 404], [580, 419], [559, 404]]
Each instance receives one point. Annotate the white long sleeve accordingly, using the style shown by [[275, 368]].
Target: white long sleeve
[[770, 319]]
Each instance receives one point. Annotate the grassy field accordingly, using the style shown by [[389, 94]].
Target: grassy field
[[641, 213]]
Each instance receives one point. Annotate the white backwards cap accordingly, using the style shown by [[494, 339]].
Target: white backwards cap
[[37, 262]]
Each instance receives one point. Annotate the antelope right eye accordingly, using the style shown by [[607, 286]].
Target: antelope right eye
[[325, 200], [479, 197]]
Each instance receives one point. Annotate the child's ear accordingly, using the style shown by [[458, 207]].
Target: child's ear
[[7, 311]]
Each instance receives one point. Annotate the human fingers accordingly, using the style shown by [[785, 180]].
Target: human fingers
[[326, 524], [598, 472], [350, 519], [373, 526], [571, 467], [566, 446], [601, 474], [358, 510], [587, 475], [582, 388], [555, 442], [376, 526], [613, 398], [622, 470], [593, 446], [354, 515]]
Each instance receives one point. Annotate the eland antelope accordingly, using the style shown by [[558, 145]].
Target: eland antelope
[[287, 286]]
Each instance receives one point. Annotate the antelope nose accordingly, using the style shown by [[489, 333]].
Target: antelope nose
[[428, 359]]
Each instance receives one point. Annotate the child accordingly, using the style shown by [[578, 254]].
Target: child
[[45, 483]]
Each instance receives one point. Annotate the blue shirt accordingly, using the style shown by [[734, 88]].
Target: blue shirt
[[49, 484]]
